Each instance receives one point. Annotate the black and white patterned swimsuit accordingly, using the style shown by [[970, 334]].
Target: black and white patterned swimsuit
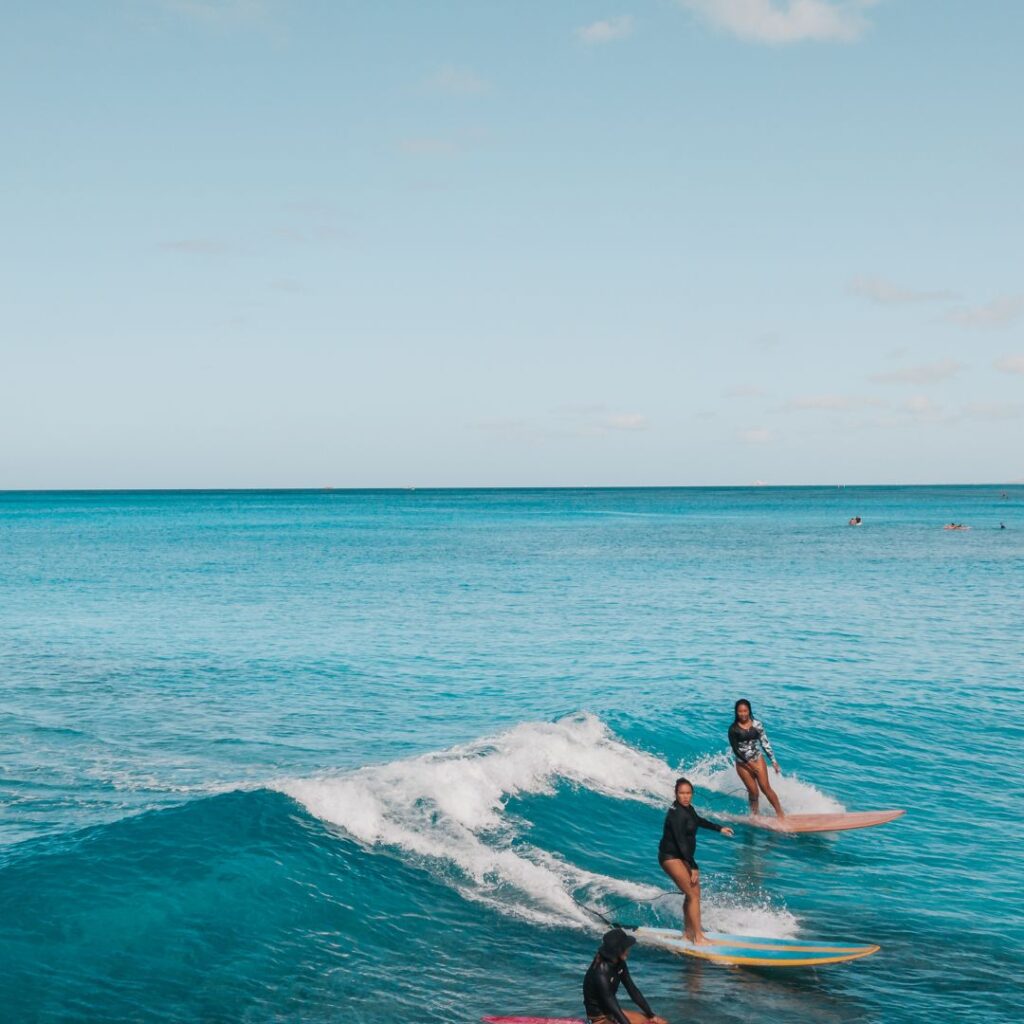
[[744, 742]]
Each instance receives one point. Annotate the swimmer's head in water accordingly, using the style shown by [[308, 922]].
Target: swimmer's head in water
[[742, 703]]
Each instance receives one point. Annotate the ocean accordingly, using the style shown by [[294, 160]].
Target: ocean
[[363, 756]]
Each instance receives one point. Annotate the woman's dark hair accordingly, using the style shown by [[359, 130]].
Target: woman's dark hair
[[683, 782], [736, 709]]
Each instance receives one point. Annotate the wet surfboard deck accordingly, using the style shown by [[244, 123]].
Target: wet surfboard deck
[[754, 951], [797, 824]]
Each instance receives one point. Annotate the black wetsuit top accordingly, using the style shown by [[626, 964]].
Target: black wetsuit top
[[600, 984], [679, 838]]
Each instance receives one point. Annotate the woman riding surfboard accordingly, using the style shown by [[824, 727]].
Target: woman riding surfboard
[[675, 855], [746, 736]]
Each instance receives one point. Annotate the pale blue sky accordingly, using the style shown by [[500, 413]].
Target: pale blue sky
[[306, 243]]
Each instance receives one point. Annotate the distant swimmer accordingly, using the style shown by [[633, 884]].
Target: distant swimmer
[[856, 521], [675, 855], [955, 526], [746, 734], [1002, 526], [601, 983]]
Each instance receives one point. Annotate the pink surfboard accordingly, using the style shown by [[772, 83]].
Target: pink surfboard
[[533, 1020], [799, 823]]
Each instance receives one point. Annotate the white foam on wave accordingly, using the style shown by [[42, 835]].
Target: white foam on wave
[[717, 773], [448, 808]]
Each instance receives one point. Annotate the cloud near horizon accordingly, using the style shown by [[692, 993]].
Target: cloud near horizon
[[993, 410], [625, 421], [778, 22], [926, 373], [589, 420], [605, 31], [454, 81], [886, 293], [1000, 312], [1010, 364], [831, 403]]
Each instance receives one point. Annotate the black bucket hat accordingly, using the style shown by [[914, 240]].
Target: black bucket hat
[[615, 943]]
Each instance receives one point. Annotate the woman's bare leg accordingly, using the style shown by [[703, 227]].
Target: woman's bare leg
[[762, 777], [635, 1017], [750, 781], [680, 874]]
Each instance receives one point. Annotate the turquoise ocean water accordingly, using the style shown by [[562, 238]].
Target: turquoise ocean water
[[350, 756]]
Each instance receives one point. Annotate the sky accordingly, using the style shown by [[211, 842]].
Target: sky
[[307, 243]]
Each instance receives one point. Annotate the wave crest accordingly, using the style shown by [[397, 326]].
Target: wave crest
[[448, 808]]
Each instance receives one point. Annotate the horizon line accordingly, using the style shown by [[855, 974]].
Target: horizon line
[[401, 489]]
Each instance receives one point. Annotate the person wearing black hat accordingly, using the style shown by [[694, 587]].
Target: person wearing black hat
[[602, 980]]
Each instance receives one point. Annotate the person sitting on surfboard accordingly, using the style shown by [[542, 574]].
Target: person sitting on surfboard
[[745, 734], [602, 980], [675, 855]]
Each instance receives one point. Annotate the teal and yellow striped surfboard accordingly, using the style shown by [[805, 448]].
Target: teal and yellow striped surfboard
[[754, 951]]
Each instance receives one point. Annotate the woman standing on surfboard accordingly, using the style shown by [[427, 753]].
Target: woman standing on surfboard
[[746, 735], [675, 855]]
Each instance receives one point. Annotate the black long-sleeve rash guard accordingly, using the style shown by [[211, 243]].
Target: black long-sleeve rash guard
[[679, 838], [600, 984]]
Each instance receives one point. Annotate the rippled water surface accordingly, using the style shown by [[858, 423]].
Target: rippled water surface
[[360, 756]]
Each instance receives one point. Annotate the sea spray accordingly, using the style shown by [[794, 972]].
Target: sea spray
[[717, 773], [448, 810]]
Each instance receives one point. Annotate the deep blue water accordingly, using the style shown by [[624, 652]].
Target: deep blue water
[[350, 756]]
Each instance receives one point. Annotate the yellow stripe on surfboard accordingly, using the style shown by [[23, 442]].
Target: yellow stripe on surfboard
[[754, 944], [758, 961]]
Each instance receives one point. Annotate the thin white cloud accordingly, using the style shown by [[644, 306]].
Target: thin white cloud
[[625, 421], [1010, 364], [886, 293], [454, 81], [1000, 312], [926, 373], [755, 435], [831, 403], [922, 407], [786, 21], [573, 420], [605, 31], [993, 410], [588, 419]]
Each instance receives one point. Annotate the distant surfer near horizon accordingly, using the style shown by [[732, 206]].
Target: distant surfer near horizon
[[601, 983], [676, 856], [747, 737], [856, 521]]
